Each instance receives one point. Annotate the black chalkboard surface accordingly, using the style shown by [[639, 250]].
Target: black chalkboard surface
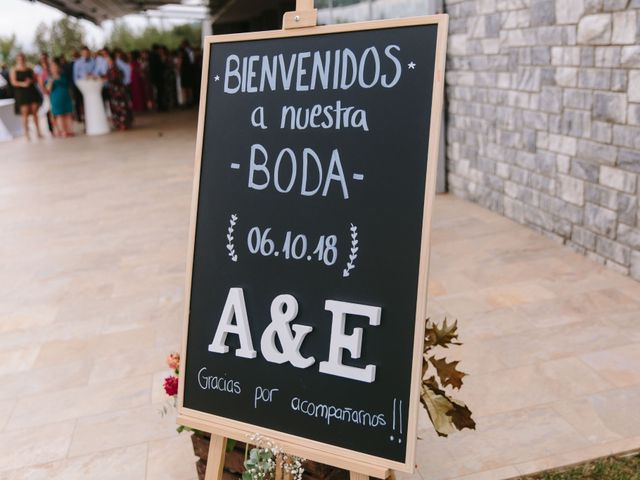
[[308, 235]]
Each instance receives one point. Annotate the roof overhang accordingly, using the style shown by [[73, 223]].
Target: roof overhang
[[98, 11]]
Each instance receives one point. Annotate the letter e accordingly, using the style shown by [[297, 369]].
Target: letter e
[[352, 343]]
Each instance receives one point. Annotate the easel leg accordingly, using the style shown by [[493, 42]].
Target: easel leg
[[215, 460], [357, 476]]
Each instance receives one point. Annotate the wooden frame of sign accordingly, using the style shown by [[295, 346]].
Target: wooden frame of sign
[[302, 22]]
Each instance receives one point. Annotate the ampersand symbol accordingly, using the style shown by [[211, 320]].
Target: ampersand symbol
[[284, 309]]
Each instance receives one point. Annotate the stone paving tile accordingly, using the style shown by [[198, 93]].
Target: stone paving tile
[[121, 463], [31, 446]]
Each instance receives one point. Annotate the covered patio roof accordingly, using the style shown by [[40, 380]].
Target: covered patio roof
[[98, 11]]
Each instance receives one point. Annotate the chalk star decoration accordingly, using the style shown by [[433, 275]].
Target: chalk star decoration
[[216, 78], [412, 66]]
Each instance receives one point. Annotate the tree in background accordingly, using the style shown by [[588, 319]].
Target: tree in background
[[63, 36], [8, 48], [125, 37]]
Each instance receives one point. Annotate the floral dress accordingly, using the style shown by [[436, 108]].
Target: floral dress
[[119, 101]]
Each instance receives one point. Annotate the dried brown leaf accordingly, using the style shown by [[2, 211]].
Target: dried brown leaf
[[447, 372]]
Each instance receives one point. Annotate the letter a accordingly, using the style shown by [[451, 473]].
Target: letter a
[[257, 118], [234, 307]]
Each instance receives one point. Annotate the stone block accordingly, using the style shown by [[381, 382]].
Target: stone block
[[615, 251], [587, 56], [633, 114], [562, 144], [551, 99], [619, 80], [634, 86], [540, 218], [601, 132], [629, 160], [635, 265], [630, 56], [571, 189], [607, 57], [627, 209], [569, 56], [629, 236], [597, 152], [566, 76], [583, 237], [528, 79], [542, 183], [624, 28], [613, 5], [535, 120], [561, 210], [563, 164], [594, 78], [457, 44], [585, 170], [610, 107], [578, 98], [600, 220], [618, 179], [602, 196], [593, 6], [576, 123], [492, 26], [595, 29], [569, 11], [616, 267], [626, 136], [545, 163], [543, 12]]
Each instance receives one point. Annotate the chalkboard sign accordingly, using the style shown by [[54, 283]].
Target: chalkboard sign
[[315, 176]]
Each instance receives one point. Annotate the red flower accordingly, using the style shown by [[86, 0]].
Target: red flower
[[171, 386]]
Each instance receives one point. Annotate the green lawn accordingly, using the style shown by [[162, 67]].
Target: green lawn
[[613, 468]]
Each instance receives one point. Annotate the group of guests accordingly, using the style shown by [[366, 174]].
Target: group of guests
[[155, 79]]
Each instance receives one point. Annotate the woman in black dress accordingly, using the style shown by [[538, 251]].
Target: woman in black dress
[[26, 94]]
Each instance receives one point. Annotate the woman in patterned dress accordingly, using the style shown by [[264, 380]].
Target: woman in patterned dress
[[119, 101]]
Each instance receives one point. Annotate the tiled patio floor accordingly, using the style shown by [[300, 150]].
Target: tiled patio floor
[[92, 256]]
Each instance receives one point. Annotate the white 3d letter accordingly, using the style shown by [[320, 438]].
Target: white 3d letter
[[234, 307], [352, 343]]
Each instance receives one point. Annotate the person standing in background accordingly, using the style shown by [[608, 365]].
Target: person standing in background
[[186, 59], [119, 101], [42, 71], [145, 73], [138, 96], [78, 104], [83, 67], [58, 88], [27, 97], [6, 91], [156, 68], [169, 86], [123, 64]]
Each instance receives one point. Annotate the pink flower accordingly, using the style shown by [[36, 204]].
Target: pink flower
[[173, 361], [171, 385]]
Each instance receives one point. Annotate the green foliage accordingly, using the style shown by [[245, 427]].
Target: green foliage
[[63, 36], [8, 48], [125, 37]]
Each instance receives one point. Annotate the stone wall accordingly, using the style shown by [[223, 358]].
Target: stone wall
[[543, 120]]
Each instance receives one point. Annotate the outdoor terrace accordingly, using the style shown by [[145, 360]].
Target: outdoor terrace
[[93, 244]]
